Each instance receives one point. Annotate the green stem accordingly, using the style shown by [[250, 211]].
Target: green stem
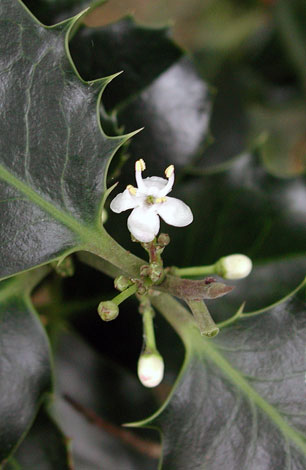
[[194, 271], [106, 247], [235, 317], [148, 330], [125, 294], [203, 318], [241, 315]]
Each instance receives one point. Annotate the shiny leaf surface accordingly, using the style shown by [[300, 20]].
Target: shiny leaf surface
[[25, 369], [239, 400], [151, 92], [44, 448], [46, 213]]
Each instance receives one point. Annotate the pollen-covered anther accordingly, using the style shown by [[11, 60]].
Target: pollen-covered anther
[[169, 171], [131, 189], [140, 165], [160, 199]]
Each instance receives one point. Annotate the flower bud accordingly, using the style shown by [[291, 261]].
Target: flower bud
[[163, 239], [122, 282], [156, 272], [108, 310], [64, 268], [233, 266], [150, 369]]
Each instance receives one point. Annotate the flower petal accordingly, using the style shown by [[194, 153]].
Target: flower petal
[[153, 185], [175, 212], [143, 223], [124, 201]]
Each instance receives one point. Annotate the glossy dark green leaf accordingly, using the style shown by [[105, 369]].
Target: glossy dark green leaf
[[151, 92], [54, 154], [229, 125], [25, 370], [239, 401], [53, 11], [243, 209], [44, 448], [141, 53], [268, 282], [88, 383]]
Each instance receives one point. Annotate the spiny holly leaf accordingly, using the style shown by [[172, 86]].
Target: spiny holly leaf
[[126, 46], [239, 400], [266, 212], [268, 282], [53, 11], [25, 370], [151, 91], [44, 448], [53, 153]]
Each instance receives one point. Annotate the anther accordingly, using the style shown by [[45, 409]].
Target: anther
[[160, 199], [131, 189], [140, 165], [169, 171]]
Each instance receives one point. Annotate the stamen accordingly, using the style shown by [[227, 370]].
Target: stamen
[[139, 167], [160, 199], [169, 171], [131, 190]]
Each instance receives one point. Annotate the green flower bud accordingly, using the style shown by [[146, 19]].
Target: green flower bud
[[233, 266], [156, 272], [150, 369], [163, 239], [108, 310], [122, 282], [65, 268]]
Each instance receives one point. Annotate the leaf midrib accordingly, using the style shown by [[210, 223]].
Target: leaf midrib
[[201, 346], [84, 232]]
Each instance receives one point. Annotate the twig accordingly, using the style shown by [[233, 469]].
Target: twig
[[144, 446]]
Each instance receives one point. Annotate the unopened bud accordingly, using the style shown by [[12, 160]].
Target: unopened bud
[[234, 266], [144, 270], [65, 268], [108, 310], [150, 369], [156, 272], [163, 239], [122, 282]]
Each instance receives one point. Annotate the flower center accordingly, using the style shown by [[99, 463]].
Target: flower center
[[150, 200]]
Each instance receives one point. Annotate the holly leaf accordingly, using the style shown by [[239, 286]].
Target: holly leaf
[[239, 400], [151, 92], [44, 448], [54, 11], [52, 169], [265, 210], [25, 370]]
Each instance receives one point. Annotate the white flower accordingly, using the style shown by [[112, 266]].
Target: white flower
[[149, 200], [234, 266], [150, 369]]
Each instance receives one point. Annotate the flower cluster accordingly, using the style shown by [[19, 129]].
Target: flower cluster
[[148, 201]]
